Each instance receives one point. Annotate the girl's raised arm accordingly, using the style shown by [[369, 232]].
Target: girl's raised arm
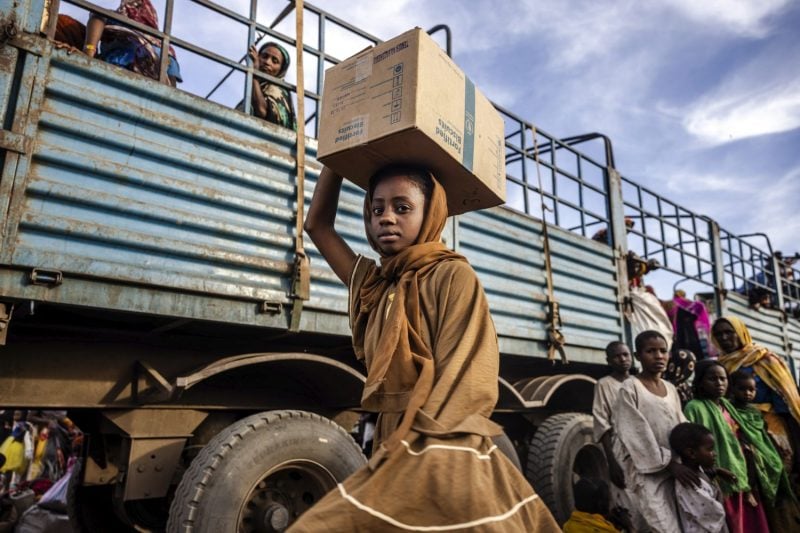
[[319, 225]]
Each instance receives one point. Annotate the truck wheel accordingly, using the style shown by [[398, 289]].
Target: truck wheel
[[505, 445], [561, 452], [262, 472]]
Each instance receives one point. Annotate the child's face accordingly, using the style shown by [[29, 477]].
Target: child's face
[[745, 390], [714, 383], [704, 454], [620, 358], [653, 355], [398, 210]]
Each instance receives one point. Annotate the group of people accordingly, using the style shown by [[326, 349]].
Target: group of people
[[725, 461], [35, 449], [125, 46]]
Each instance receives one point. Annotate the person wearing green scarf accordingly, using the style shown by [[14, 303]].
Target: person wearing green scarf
[[744, 506], [783, 511]]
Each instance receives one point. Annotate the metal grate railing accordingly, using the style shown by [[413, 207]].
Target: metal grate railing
[[572, 185]]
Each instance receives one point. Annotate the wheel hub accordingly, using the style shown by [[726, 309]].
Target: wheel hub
[[281, 496], [276, 518]]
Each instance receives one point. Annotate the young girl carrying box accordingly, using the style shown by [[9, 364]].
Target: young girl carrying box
[[422, 327]]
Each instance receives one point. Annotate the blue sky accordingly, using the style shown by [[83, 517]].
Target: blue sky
[[701, 99]]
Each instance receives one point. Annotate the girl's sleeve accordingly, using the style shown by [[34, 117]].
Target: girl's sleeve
[[361, 269], [637, 437]]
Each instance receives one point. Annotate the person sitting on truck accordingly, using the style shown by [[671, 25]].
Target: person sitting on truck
[[127, 47], [269, 100], [776, 392], [606, 390], [647, 409], [70, 34], [421, 324]]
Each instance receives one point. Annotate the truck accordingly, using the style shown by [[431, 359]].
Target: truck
[[156, 284]]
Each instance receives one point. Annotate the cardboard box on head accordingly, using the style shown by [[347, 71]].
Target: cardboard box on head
[[405, 101]]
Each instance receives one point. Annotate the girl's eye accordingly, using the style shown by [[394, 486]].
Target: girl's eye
[[403, 208], [377, 210]]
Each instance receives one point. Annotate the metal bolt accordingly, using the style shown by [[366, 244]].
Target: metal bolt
[[140, 469], [276, 518]]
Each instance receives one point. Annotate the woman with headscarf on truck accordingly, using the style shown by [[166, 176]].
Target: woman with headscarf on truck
[[269, 100]]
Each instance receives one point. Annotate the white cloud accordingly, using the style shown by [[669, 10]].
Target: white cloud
[[732, 115], [691, 182], [744, 17]]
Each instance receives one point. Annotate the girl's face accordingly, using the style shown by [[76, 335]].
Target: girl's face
[[398, 210], [744, 391], [620, 359], [271, 60], [726, 336], [653, 355], [714, 383]]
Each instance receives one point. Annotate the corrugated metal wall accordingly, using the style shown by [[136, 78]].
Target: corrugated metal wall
[[764, 324], [505, 248], [131, 182], [127, 185]]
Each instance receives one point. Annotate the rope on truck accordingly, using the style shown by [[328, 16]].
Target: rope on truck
[[301, 279], [555, 338]]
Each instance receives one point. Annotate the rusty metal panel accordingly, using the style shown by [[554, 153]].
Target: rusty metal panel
[[152, 200], [132, 181], [765, 325], [505, 248], [585, 281], [328, 293]]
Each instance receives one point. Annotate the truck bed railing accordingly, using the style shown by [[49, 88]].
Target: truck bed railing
[[574, 185]]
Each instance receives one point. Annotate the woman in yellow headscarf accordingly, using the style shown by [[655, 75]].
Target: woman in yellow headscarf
[[776, 392]]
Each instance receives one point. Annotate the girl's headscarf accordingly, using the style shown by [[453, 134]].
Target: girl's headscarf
[[400, 347], [284, 53], [767, 366]]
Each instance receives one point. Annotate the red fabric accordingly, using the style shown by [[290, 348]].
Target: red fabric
[[70, 31], [743, 517], [141, 11]]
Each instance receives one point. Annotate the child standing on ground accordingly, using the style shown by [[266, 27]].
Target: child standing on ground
[[764, 463], [700, 508], [421, 325], [606, 390], [742, 503], [647, 409]]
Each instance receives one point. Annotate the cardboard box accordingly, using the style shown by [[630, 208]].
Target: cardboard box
[[405, 101]]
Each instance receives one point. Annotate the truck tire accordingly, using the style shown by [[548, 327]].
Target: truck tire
[[262, 472], [505, 445], [561, 452]]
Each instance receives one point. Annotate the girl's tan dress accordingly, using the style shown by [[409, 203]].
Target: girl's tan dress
[[444, 473]]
